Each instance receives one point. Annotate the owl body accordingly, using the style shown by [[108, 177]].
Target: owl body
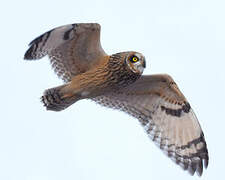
[[113, 73], [117, 82]]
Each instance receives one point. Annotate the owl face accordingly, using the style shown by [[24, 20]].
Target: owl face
[[136, 62]]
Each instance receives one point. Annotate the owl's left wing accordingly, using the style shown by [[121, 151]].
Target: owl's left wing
[[166, 116], [73, 49]]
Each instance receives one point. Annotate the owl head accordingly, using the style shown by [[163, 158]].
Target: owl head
[[125, 67], [135, 61]]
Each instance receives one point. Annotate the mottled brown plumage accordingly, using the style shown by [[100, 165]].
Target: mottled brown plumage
[[111, 74], [115, 81]]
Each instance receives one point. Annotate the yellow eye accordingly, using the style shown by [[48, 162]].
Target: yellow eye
[[134, 59]]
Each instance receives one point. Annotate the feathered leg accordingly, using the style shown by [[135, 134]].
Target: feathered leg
[[55, 99]]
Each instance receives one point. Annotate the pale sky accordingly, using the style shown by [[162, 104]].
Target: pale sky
[[185, 39]]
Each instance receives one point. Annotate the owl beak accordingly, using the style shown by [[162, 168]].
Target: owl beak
[[144, 63]]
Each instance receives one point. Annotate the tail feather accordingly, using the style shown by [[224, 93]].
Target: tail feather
[[54, 100]]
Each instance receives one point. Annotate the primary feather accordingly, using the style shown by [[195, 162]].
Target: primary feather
[[166, 116]]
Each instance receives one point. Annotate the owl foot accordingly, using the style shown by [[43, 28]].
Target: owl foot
[[55, 101]]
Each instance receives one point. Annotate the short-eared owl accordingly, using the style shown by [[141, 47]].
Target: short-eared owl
[[116, 81]]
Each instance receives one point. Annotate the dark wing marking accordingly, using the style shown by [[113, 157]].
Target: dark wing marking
[[73, 49], [166, 116]]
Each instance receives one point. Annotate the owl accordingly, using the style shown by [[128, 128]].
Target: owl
[[116, 81]]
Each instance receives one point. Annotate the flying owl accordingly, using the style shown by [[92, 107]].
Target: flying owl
[[116, 81]]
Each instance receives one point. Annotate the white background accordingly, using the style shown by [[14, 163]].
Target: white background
[[185, 39]]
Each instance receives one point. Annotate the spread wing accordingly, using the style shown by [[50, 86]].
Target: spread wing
[[166, 116], [73, 49]]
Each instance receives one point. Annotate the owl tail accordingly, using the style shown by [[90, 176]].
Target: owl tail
[[54, 100]]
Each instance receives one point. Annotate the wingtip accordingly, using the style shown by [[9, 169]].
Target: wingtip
[[28, 54], [206, 162]]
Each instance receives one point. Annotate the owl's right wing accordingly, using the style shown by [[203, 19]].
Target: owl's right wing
[[166, 116], [73, 49]]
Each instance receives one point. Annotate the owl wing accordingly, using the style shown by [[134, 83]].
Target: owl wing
[[166, 116], [73, 49]]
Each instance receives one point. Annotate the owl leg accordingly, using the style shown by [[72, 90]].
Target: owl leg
[[55, 99]]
